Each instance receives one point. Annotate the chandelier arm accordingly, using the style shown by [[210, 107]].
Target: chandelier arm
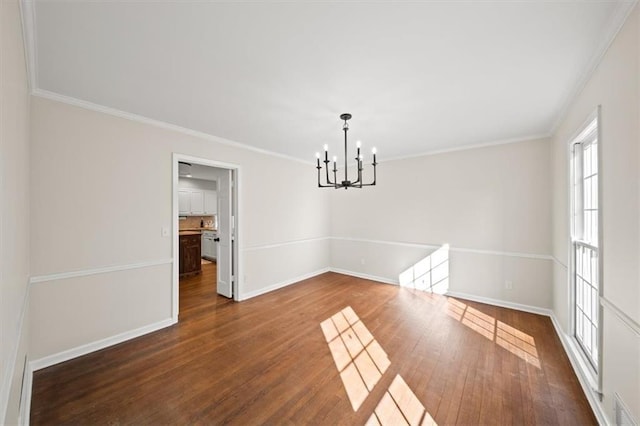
[[329, 184], [374, 177], [326, 166], [320, 185], [374, 169]]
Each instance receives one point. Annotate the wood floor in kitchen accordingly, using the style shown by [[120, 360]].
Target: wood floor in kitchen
[[329, 350]]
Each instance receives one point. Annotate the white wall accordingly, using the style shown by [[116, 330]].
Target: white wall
[[14, 214], [615, 85], [101, 192], [491, 204]]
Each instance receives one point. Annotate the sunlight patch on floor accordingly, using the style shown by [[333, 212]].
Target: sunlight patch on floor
[[513, 340], [400, 406], [359, 358], [362, 362]]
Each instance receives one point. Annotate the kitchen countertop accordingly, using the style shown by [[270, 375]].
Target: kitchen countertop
[[194, 231]]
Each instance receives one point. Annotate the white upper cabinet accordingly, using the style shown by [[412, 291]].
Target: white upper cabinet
[[197, 201], [210, 202], [197, 198], [184, 202]]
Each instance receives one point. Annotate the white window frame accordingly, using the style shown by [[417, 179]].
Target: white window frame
[[585, 134]]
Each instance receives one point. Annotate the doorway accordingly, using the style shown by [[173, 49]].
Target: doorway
[[206, 225]]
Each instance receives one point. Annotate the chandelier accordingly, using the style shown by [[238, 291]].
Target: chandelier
[[346, 183]]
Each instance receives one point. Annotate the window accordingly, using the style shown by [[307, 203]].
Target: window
[[585, 265]]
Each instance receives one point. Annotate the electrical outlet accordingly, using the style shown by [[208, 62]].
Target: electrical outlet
[[508, 285], [165, 231]]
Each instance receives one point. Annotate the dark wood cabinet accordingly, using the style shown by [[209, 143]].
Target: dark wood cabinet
[[190, 252]]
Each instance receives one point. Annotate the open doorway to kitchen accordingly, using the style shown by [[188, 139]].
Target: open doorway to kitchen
[[205, 249]]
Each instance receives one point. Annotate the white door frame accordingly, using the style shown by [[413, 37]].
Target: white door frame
[[237, 261]]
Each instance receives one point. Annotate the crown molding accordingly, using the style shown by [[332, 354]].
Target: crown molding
[[612, 28], [528, 138], [69, 100]]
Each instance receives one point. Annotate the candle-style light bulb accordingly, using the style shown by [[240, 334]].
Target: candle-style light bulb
[[374, 151], [359, 144], [317, 155], [335, 158], [326, 147], [317, 159]]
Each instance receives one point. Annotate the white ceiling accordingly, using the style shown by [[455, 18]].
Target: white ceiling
[[417, 76]]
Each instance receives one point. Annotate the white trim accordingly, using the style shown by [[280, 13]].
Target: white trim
[[528, 138], [25, 400], [626, 319], [9, 368], [48, 361], [28, 17], [613, 27], [589, 385], [388, 242], [157, 123], [404, 244], [96, 271], [364, 276], [455, 249], [285, 243], [238, 280], [504, 253], [281, 284], [69, 100], [582, 131], [175, 238], [501, 303]]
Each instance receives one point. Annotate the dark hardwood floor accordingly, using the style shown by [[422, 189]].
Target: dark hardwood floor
[[267, 360]]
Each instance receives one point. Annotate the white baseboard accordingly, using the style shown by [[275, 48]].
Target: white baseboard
[[364, 276], [25, 398], [586, 383], [501, 303], [259, 292], [63, 356]]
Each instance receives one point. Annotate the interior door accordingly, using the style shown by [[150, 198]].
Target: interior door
[[224, 257]]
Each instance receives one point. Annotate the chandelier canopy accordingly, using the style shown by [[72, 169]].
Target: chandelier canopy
[[346, 183]]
